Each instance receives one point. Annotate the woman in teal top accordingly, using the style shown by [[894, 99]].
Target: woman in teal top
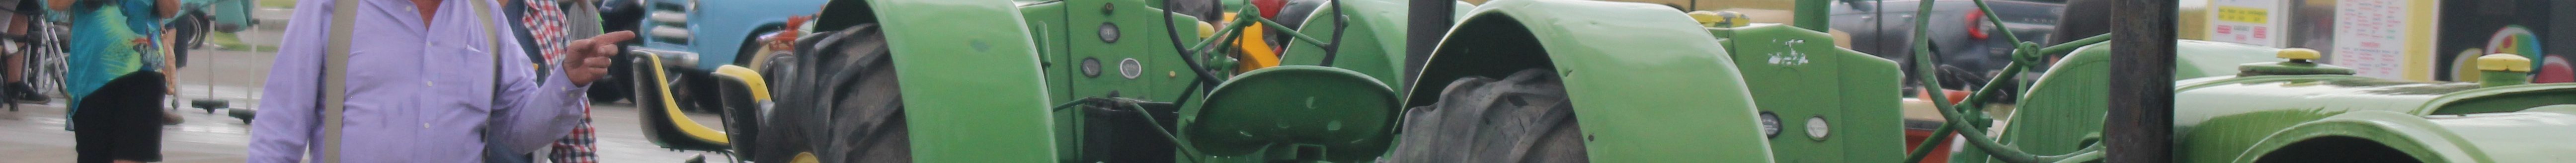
[[110, 39]]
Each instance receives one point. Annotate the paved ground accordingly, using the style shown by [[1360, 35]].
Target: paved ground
[[34, 132]]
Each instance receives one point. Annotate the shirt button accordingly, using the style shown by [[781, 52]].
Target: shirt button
[[424, 125], [429, 83]]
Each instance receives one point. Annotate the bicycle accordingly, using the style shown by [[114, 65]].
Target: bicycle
[[42, 45]]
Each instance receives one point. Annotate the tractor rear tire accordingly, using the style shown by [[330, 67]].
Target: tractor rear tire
[[843, 105], [1521, 118]]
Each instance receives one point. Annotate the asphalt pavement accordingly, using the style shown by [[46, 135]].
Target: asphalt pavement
[[34, 133]]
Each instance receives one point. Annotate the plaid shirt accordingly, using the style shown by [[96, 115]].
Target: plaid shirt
[[580, 147], [545, 23]]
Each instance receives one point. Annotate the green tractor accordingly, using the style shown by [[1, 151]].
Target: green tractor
[[1074, 81], [1511, 81]]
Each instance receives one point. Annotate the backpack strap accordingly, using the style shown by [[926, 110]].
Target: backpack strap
[[491, 38], [493, 153], [344, 15]]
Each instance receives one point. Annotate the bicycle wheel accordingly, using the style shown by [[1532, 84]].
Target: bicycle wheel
[[49, 65]]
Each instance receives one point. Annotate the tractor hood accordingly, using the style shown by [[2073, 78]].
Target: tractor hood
[[2204, 97], [2430, 120]]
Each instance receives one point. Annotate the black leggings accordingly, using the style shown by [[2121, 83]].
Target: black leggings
[[122, 120]]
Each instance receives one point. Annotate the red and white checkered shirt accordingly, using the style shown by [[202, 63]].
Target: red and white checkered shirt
[[545, 23]]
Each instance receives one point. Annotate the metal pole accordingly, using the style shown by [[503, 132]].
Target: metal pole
[[1429, 20], [2140, 124], [210, 78]]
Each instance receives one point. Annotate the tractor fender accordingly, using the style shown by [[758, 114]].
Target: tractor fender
[[2465, 138], [1647, 82], [972, 89], [1372, 44]]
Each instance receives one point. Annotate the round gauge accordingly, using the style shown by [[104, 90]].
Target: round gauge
[[1109, 32], [1090, 67], [1816, 128], [1770, 125], [1130, 68]]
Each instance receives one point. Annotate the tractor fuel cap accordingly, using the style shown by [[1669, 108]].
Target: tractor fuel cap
[[2300, 63]]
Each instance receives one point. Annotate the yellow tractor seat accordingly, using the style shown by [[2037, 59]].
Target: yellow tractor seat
[[664, 124]]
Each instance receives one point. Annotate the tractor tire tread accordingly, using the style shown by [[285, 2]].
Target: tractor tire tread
[[1524, 117]]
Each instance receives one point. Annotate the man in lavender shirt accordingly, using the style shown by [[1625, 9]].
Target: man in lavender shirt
[[420, 86]]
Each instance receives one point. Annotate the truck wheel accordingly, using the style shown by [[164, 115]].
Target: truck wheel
[[1521, 118], [846, 109]]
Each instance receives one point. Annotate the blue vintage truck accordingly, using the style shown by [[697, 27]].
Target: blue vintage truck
[[697, 36]]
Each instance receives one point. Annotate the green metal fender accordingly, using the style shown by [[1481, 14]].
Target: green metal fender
[[971, 87], [2495, 137], [1373, 44], [1647, 82]]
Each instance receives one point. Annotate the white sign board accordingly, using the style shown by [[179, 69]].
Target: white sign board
[[2370, 37]]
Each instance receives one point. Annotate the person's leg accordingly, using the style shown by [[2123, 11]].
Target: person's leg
[[90, 144], [18, 26], [115, 127], [18, 22], [133, 124], [12, 68]]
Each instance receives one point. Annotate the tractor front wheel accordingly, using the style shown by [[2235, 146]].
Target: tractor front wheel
[[1524, 117], [843, 105]]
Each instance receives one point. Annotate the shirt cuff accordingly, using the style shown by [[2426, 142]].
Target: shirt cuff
[[563, 84]]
